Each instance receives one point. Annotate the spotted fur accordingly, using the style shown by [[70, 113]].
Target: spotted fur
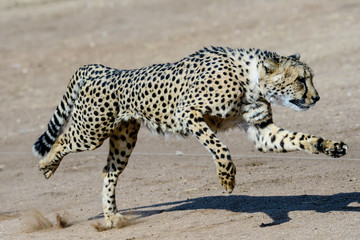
[[211, 90]]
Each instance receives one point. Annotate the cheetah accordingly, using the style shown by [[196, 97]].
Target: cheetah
[[212, 90]]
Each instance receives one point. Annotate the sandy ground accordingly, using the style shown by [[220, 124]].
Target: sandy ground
[[169, 196]]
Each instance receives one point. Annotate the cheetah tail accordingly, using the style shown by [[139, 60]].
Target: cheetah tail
[[60, 117]]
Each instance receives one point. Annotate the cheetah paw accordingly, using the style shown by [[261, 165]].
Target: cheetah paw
[[334, 149], [46, 168], [227, 177], [116, 221]]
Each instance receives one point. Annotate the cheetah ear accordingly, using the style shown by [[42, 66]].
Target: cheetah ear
[[295, 56], [271, 65]]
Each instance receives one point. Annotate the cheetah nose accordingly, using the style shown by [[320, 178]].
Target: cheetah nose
[[315, 99]]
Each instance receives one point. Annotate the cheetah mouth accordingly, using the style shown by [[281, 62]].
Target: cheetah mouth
[[300, 104]]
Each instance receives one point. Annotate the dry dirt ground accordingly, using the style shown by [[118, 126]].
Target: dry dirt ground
[[167, 195]]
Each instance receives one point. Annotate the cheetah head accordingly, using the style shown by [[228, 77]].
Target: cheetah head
[[288, 82]]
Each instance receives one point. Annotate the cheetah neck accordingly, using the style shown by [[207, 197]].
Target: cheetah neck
[[251, 63]]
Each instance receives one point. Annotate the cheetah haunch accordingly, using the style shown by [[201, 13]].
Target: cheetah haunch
[[211, 90]]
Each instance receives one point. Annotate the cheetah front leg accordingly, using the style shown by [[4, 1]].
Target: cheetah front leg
[[273, 138], [226, 169]]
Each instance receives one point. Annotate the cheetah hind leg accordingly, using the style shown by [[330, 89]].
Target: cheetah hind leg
[[63, 145], [122, 142], [51, 161]]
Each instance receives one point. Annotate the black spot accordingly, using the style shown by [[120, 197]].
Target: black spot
[[265, 123], [282, 143], [319, 145]]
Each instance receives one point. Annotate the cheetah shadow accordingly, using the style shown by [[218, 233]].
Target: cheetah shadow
[[276, 207]]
